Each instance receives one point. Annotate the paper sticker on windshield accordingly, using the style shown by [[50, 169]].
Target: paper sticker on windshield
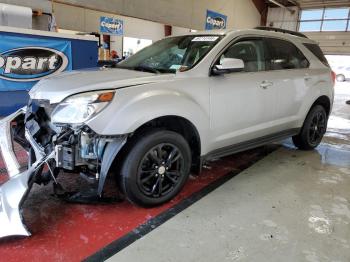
[[176, 67], [205, 39]]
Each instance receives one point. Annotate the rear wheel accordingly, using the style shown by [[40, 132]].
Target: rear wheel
[[155, 168], [314, 128]]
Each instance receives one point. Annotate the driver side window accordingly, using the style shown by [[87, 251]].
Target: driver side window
[[250, 51]]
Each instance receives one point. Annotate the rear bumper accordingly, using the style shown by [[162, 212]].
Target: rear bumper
[[14, 191]]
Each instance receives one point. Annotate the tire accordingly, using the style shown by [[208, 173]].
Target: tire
[[155, 168], [313, 130], [340, 78]]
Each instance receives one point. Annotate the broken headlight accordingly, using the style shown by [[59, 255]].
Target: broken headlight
[[79, 108]]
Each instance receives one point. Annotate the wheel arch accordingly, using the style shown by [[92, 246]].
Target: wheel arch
[[304, 140], [179, 125], [323, 101]]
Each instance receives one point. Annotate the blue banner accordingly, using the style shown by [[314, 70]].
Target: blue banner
[[215, 20], [25, 60], [111, 26]]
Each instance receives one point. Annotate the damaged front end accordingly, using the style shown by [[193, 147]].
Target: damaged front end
[[15, 189], [56, 147]]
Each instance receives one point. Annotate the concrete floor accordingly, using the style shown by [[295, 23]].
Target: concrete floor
[[290, 206]]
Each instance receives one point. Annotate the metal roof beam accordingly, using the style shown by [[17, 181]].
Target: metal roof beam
[[282, 6]]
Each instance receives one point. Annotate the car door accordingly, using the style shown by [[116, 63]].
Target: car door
[[287, 68], [242, 104]]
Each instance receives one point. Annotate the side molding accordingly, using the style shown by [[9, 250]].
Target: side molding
[[229, 150]]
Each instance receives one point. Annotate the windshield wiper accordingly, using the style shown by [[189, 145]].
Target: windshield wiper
[[146, 69]]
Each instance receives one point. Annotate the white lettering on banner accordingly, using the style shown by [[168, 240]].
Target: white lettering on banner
[[114, 26], [217, 22], [22, 65], [29, 63], [11, 63]]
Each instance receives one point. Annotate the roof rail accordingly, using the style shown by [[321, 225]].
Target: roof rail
[[280, 30]]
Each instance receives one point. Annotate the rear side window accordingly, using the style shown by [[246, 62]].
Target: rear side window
[[316, 50], [284, 55]]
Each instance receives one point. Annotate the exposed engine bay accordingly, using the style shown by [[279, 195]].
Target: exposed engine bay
[[74, 149]]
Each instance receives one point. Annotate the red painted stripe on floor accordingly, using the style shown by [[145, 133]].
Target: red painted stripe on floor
[[71, 232]]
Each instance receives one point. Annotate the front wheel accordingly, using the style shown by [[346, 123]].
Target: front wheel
[[155, 168], [314, 128]]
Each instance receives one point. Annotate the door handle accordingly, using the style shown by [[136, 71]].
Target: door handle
[[265, 84]]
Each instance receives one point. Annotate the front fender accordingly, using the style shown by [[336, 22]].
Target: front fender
[[130, 111]]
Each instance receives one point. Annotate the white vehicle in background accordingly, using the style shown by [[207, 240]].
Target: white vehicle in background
[[340, 65], [343, 73], [164, 111]]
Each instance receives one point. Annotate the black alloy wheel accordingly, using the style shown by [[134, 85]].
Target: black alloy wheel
[[313, 129], [317, 128], [160, 170], [155, 168]]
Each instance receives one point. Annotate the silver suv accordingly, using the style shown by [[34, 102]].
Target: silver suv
[[161, 113]]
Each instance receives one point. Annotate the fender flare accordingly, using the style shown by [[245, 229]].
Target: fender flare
[[109, 154]]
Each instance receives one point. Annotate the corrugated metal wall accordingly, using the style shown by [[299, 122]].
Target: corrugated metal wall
[[282, 18]]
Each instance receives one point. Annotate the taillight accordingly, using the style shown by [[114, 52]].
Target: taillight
[[334, 76]]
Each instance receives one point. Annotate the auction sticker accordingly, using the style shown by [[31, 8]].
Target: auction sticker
[[205, 39]]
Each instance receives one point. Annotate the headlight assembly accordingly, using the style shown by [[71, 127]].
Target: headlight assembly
[[79, 108]]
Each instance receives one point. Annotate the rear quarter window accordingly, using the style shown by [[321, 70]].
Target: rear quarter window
[[284, 55], [316, 50]]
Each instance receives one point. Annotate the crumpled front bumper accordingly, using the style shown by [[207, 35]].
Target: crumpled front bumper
[[14, 191]]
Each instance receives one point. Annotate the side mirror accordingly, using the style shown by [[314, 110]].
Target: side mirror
[[228, 65]]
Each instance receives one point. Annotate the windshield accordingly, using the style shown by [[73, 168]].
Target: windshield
[[171, 54]]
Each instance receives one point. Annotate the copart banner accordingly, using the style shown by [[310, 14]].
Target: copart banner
[[26, 60], [215, 20]]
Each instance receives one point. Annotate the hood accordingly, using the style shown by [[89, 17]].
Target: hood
[[57, 88]]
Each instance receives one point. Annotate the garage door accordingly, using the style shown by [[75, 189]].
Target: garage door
[[332, 42], [328, 24]]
